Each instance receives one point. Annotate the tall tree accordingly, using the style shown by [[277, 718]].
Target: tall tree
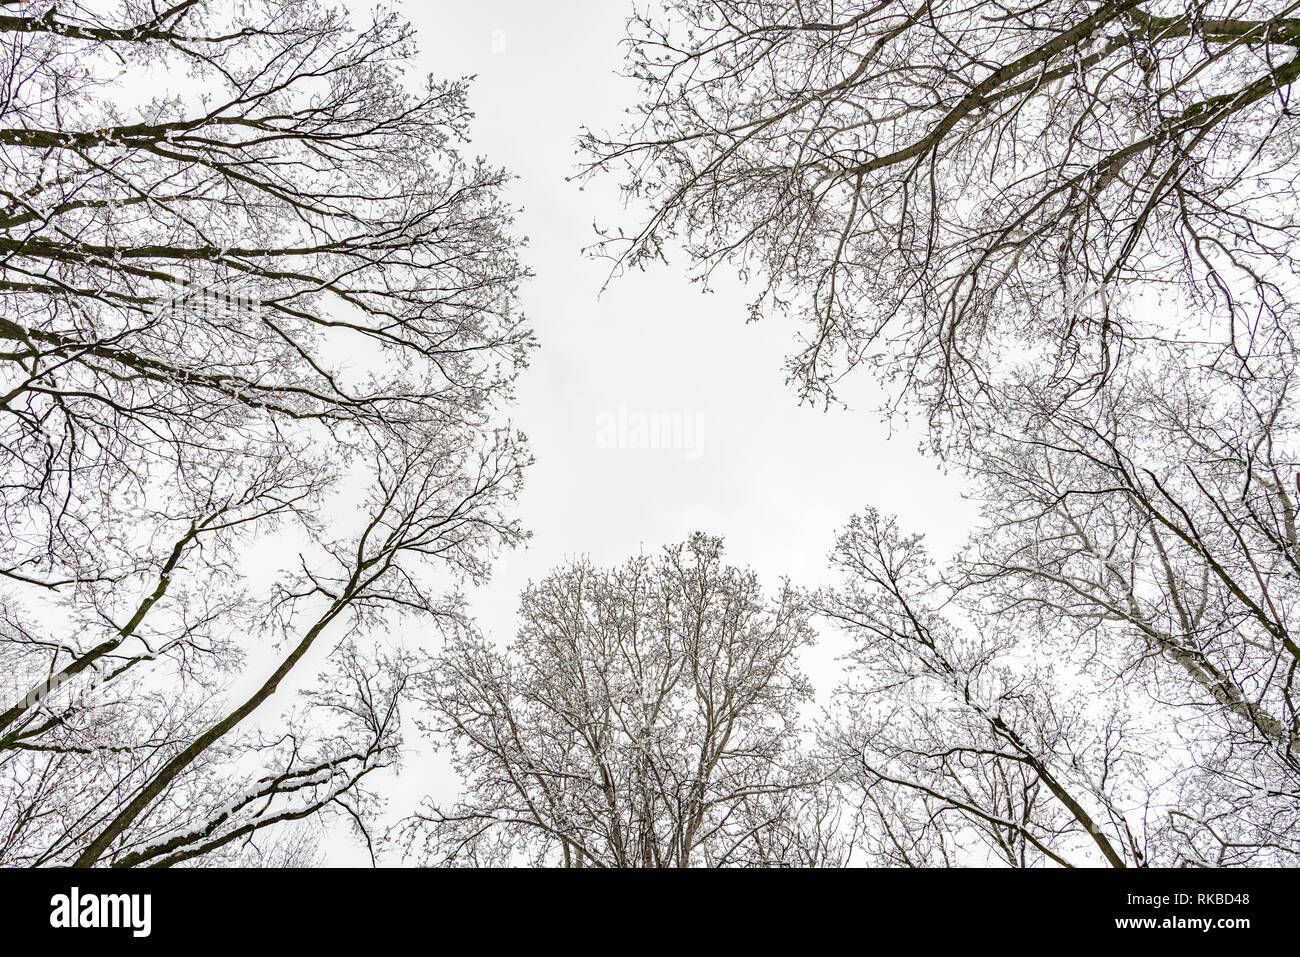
[[958, 757], [258, 324], [646, 716], [1156, 527], [983, 722], [938, 189]]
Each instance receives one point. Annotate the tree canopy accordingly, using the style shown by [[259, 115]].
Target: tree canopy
[[263, 299]]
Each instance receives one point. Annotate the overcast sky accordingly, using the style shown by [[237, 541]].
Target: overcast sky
[[776, 480]]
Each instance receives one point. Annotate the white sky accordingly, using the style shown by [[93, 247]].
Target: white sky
[[774, 479]]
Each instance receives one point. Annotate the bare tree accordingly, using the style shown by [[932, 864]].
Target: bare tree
[[972, 732], [257, 328], [646, 716], [957, 757], [1157, 529], [939, 189]]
